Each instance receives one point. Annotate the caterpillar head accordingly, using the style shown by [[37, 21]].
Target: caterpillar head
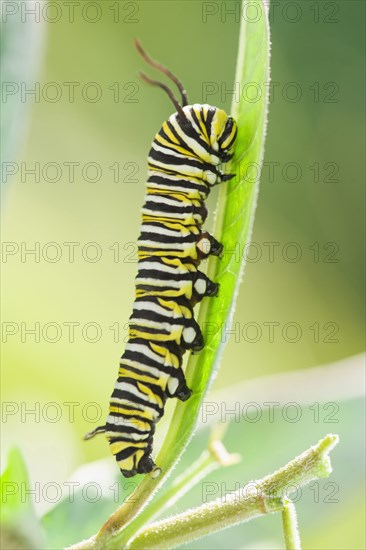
[[211, 132], [223, 132]]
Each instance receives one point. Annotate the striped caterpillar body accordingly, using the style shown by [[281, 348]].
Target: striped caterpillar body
[[183, 164]]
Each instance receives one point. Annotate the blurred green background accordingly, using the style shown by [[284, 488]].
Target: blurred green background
[[304, 276]]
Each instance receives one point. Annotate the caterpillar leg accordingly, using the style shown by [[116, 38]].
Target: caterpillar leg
[[131, 449], [144, 466], [203, 286], [184, 392], [147, 465], [192, 337], [200, 213], [136, 463], [177, 387], [207, 245]]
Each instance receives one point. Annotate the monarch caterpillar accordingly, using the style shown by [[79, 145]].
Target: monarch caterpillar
[[183, 165]]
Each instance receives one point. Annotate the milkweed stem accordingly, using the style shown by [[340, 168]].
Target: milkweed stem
[[289, 525], [255, 499], [264, 496]]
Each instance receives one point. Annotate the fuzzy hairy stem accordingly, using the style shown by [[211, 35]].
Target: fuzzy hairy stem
[[289, 526], [256, 498]]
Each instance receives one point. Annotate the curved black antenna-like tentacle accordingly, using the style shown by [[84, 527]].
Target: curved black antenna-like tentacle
[[163, 70], [164, 87]]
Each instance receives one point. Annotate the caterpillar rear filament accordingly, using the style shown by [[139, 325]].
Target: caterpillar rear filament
[[183, 164]]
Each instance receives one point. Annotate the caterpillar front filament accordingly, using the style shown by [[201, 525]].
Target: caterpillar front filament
[[183, 164]]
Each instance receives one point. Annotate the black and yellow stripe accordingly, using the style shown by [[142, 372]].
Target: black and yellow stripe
[[183, 164]]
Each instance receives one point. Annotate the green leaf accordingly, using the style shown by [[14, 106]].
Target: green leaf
[[19, 524], [81, 516], [92, 494], [234, 223]]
